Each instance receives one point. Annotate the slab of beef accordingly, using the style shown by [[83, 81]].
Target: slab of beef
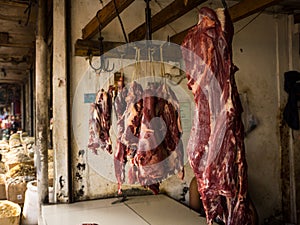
[[120, 156], [128, 137], [100, 121], [169, 111], [156, 158], [133, 115], [216, 146]]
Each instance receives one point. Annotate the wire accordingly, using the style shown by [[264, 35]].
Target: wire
[[249, 22], [28, 11], [121, 23]]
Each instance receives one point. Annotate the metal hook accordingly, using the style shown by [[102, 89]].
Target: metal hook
[[102, 67]]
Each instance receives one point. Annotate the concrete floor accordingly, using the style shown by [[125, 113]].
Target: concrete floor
[[138, 210]]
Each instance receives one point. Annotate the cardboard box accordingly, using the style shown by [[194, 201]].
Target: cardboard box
[[15, 190]]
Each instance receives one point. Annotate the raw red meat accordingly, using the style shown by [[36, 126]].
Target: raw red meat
[[120, 157], [216, 146], [99, 122], [149, 132], [160, 150], [133, 115]]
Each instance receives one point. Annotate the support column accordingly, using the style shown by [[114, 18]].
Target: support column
[[60, 103], [41, 107]]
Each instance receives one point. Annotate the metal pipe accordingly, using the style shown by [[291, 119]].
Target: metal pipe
[[148, 20]]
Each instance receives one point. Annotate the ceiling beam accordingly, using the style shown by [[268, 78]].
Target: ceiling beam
[[17, 19], [120, 49], [17, 45], [105, 15], [167, 15], [246, 8], [87, 47], [14, 3], [12, 76], [237, 12]]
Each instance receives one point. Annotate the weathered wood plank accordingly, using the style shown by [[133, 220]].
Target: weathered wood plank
[[14, 67], [246, 8], [118, 49], [14, 3], [86, 47], [17, 45], [237, 12], [167, 15], [13, 75], [105, 15]]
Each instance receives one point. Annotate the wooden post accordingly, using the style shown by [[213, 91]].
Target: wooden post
[[42, 119], [62, 183]]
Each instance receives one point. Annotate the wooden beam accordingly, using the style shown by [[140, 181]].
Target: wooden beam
[[237, 12], [17, 45], [105, 15], [167, 15], [13, 76], [86, 47], [246, 8], [119, 49], [14, 3]]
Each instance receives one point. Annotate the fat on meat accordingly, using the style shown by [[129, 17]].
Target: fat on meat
[[215, 148]]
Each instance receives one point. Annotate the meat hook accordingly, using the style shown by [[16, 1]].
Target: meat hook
[[102, 67]]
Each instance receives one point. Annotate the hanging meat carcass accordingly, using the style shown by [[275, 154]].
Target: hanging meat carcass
[[100, 121], [216, 145], [129, 105], [120, 156], [169, 111], [149, 134], [160, 150]]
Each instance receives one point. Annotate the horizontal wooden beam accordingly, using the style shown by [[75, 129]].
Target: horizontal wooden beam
[[167, 15], [12, 81], [246, 8], [86, 47], [17, 19], [17, 45], [105, 16], [14, 3], [237, 12], [121, 50], [13, 76]]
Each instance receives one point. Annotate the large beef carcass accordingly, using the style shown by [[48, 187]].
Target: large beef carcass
[[216, 145], [100, 121]]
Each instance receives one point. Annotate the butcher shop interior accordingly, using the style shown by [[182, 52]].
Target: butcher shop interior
[[149, 112]]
